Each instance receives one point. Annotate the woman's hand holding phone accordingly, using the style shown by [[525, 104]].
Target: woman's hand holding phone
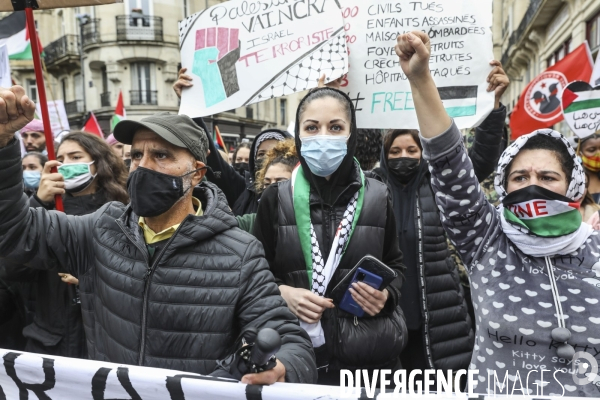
[[306, 305], [368, 298]]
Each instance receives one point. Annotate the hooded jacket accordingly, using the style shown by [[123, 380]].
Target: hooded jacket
[[185, 310], [349, 341], [512, 292], [433, 298], [239, 190]]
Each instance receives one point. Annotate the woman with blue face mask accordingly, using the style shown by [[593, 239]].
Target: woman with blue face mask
[[33, 165], [305, 224], [89, 175]]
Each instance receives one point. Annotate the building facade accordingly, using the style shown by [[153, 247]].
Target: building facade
[[130, 47], [531, 35]]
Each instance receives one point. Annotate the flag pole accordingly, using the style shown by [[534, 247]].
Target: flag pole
[[39, 77]]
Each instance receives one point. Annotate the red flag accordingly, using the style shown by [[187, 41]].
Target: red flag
[[539, 104], [119, 113], [220, 140], [92, 126], [120, 109]]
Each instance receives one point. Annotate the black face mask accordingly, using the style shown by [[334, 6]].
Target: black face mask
[[404, 168], [258, 163], [127, 163], [153, 193], [241, 167]]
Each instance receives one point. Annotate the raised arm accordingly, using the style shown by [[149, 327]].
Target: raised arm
[[467, 217], [414, 49], [221, 173], [486, 149], [29, 234]]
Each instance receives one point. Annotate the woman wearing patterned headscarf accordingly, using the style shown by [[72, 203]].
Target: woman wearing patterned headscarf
[[533, 264], [238, 181]]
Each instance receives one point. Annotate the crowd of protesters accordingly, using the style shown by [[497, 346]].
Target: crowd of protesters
[[169, 250]]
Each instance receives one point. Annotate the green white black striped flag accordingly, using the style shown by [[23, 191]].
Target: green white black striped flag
[[459, 101], [14, 34]]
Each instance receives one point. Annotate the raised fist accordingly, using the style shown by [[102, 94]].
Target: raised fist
[[414, 49], [217, 52], [16, 111]]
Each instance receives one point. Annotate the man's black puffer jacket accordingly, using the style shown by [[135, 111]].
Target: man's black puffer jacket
[[207, 285], [57, 327]]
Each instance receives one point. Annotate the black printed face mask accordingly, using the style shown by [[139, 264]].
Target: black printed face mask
[[153, 193], [404, 168]]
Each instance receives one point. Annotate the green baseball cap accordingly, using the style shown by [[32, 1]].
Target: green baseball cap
[[179, 130]]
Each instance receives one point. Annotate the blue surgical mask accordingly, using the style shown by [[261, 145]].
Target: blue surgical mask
[[324, 153], [31, 179]]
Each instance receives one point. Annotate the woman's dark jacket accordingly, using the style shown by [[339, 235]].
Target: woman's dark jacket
[[433, 299], [57, 327], [371, 343], [350, 342]]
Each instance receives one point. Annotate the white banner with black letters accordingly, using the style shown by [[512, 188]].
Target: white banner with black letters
[[35, 376]]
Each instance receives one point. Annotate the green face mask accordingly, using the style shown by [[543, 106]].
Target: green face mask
[[78, 176]]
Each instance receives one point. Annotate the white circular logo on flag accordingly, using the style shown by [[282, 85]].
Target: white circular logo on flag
[[542, 99]]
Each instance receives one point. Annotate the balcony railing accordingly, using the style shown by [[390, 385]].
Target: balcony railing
[[139, 27], [67, 45], [74, 107], [143, 97], [91, 32], [516, 35], [105, 99]]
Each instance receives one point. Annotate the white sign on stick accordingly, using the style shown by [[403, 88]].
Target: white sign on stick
[[5, 78], [58, 116], [241, 52], [461, 49]]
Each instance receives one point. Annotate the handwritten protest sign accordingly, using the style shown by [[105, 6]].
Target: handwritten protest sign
[[241, 52], [58, 116], [461, 49], [581, 108]]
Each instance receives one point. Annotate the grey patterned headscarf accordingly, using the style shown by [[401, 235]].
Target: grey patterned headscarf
[[269, 135], [577, 184]]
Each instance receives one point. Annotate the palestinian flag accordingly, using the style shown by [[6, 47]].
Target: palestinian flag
[[92, 126], [219, 139], [580, 96], [119, 113], [546, 218], [14, 33], [459, 101]]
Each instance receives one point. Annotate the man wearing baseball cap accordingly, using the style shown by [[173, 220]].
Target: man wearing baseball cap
[[168, 281]]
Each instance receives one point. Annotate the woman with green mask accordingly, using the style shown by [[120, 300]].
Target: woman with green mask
[[89, 175]]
